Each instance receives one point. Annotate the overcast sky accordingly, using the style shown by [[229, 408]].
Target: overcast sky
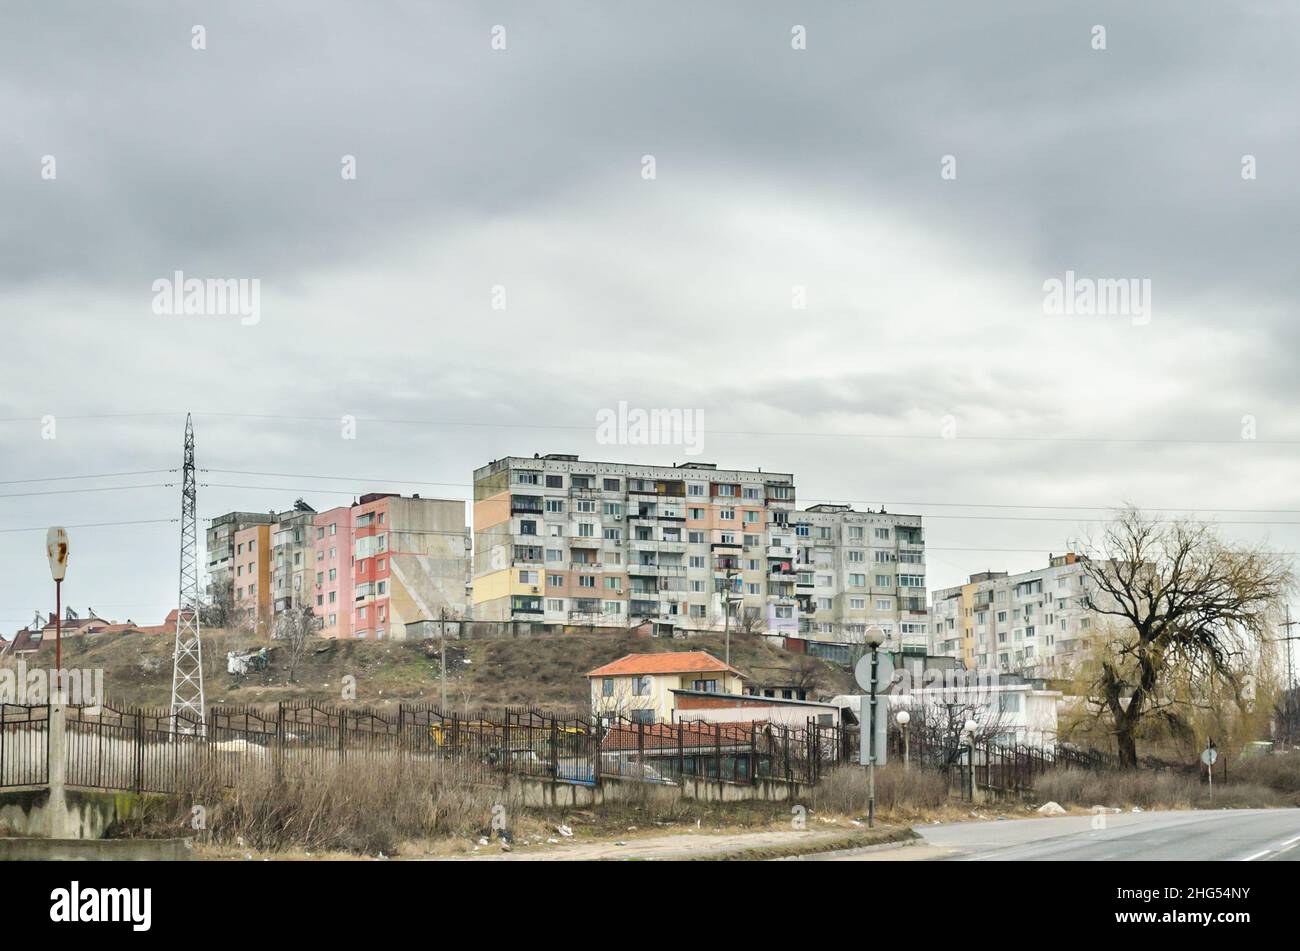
[[523, 168]]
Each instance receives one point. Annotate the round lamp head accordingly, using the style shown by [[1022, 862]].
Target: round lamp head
[[874, 637], [56, 549], [903, 718], [970, 726]]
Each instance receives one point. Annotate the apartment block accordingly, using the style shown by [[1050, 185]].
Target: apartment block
[[334, 598], [221, 549], [562, 540], [409, 563], [860, 570], [292, 559], [1034, 622], [251, 596]]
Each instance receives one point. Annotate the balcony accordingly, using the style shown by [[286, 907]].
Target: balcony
[[781, 551]]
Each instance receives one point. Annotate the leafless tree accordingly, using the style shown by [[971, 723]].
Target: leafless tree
[[1176, 597], [293, 629]]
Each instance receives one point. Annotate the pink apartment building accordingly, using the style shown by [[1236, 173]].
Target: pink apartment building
[[333, 588]]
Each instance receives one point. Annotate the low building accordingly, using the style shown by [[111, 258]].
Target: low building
[[691, 705], [640, 686]]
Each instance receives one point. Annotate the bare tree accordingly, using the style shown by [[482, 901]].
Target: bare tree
[[1177, 598], [294, 628]]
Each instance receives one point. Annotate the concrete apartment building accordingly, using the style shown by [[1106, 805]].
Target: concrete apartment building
[[858, 570], [409, 563], [333, 604], [365, 570], [221, 555], [1034, 622], [251, 596], [292, 559], [561, 540]]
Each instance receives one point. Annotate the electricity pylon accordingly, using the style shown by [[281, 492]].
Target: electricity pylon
[[187, 713]]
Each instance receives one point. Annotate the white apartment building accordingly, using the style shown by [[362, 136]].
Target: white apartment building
[[567, 541], [858, 570], [1034, 622]]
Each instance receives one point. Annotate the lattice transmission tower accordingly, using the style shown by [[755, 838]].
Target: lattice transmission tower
[[187, 657]]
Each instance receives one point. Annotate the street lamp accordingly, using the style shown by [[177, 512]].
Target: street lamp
[[56, 550], [873, 638], [904, 718], [970, 727]]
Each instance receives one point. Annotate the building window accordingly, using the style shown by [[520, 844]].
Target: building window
[[607, 687]]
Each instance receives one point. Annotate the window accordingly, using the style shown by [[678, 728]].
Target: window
[[640, 686], [555, 604], [708, 686], [882, 534], [526, 478], [554, 482], [611, 485], [858, 604], [607, 687], [643, 716], [858, 581], [695, 488], [555, 505], [856, 557], [586, 530], [727, 515], [884, 604], [556, 581]]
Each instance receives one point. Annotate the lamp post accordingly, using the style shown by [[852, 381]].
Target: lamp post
[[904, 718], [970, 726], [56, 550], [874, 638]]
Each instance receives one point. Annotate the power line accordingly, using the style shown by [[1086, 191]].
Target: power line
[[142, 521], [803, 433], [101, 488], [97, 475]]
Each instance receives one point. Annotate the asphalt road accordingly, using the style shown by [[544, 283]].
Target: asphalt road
[[1257, 835]]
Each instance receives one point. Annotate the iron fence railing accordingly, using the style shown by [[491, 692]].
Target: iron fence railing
[[24, 745]]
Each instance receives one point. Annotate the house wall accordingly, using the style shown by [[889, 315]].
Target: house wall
[[660, 697]]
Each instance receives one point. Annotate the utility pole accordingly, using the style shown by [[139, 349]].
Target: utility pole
[[187, 653], [726, 613], [442, 657], [1289, 706]]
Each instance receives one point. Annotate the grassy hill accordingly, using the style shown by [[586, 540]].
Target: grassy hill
[[547, 671]]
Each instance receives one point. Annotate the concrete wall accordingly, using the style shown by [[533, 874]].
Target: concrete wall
[[96, 850], [538, 793], [85, 814]]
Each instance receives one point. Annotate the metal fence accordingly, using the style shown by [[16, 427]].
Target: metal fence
[[996, 769], [147, 750], [24, 745]]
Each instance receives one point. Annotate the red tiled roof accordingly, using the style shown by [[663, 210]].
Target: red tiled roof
[[668, 662]]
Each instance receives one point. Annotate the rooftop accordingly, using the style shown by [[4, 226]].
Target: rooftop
[[670, 662]]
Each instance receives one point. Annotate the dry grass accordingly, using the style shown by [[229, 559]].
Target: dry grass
[[900, 793], [1279, 772], [314, 808], [1146, 789]]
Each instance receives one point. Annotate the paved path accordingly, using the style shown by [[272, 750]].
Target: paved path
[[1259, 835], [675, 846]]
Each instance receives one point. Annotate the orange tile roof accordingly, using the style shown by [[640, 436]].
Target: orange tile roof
[[668, 662]]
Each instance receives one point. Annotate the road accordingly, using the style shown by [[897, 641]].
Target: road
[[1259, 835]]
